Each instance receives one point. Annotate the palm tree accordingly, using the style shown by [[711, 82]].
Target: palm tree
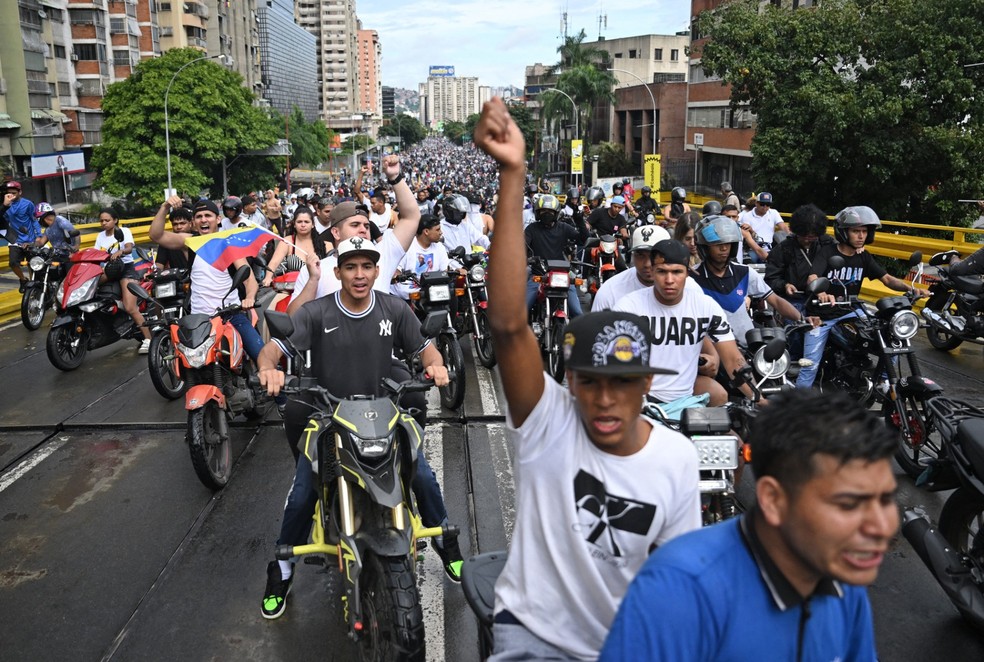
[[583, 74]]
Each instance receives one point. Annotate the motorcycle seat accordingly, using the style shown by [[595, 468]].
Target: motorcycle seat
[[558, 265], [969, 284], [478, 577], [970, 434]]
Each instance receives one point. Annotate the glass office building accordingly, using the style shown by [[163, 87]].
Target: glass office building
[[288, 60]]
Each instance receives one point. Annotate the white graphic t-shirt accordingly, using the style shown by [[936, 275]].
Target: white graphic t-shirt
[[420, 260]]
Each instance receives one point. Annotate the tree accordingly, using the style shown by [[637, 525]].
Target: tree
[[612, 161], [584, 76], [310, 142], [211, 117], [858, 101], [524, 120], [454, 131], [407, 127]]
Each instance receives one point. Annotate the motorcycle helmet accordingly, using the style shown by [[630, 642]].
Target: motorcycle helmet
[[546, 208], [43, 209], [645, 189], [625, 180], [114, 269], [853, 217], [617, 188], [455, 207], [678, 194], [726, 187], [711, 208], [232, 203], [573, 197], [596, 195], [305, 195], [714, 230]]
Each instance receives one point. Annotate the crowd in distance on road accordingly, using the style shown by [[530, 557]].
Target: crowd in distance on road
[[606, 559]]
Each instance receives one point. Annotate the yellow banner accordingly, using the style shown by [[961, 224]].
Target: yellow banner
[[651, 171], [577, 157]]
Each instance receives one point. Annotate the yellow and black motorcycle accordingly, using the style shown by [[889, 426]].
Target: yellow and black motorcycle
[[363, 451]]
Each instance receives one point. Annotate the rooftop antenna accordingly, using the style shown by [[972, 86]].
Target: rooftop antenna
[[563, 25], [602, 19]]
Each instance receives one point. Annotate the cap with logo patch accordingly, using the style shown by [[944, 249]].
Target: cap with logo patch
[[206, 205], [355, 246], [610, 344], [12, 184]]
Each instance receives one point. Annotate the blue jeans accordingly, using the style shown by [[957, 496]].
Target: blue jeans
[[813, 344], [573, 303], [299, 510], [252, 342]]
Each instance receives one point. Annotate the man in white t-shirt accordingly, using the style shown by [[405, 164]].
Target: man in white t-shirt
[[380, 211], [598, 486], [637, 277], [426, 253], [681, 318], [762, 222], [350, 219]]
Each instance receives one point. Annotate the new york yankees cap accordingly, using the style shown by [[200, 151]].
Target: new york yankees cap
[[610, 344], [646, 236], [355, 246]]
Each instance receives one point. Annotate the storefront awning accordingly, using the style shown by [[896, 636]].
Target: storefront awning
[[7, 123], [58, 115]]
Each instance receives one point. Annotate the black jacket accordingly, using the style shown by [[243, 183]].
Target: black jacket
[[788, 264]]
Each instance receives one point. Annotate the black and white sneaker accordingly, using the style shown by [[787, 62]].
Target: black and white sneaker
[[451, 558], [277, 588]]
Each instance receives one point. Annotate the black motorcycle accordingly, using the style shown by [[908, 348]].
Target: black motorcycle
[[955, 310], [435, 294], [550, 313], [954, 552], [45, 269], [471, 315]]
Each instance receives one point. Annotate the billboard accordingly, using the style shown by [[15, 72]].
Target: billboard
[[53, 165], [441, 70], [577, 157]]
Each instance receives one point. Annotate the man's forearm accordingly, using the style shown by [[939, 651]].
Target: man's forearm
[[507, 281], [309, 293], [157, 225], [269, 356]]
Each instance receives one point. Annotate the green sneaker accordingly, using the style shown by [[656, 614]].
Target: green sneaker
[[451, 558], [277, 588]]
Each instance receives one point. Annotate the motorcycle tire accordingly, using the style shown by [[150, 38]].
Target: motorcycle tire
[[32, 308], [59, 346], [942, 340], [555, 350], [921, 447], [453, 394], [484, 349], [211, 456], [392, 617], [160, 359], [962, 523]]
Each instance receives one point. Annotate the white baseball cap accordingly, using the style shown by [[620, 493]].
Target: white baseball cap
[[646, 236], [357, 246]]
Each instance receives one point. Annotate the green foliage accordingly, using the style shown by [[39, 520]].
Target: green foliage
[[584, 76], [859, 101], [356, 142], [612, 161], [409, 128], [454, 131], [310, 142], [524, 120], [211, 117]]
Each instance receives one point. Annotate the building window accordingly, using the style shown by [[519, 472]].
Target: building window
[[632, 54], [658, 54], [59, 51], [618, 56], [64, 89], [674, 55], [121, 58], [91, 52]]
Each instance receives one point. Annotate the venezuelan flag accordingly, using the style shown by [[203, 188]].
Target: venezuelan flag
[[221, 249]]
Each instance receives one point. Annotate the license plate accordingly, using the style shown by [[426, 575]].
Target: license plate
[[165, 290], [439, 293]]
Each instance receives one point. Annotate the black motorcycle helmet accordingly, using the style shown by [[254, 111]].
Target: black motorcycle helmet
[[594, 195], [573, 197], [455, 208], [645, 190], [234, 204], [678, 194], [546, 208], [711, 208]]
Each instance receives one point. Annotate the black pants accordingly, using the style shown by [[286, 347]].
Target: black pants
[[972, 266]]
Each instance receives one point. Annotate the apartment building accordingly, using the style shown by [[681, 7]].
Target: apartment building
[[370, 76], [335, 28], [448, 97], [289, 65]]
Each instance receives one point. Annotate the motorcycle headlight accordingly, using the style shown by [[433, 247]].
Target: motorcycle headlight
[[83, 293], [60, 292], [196, 355], [608, 247], [36, 263], [559, 279], [477, 273], [165, 290], [439, 293], [371, 447], [905, 324], [770, 369], [717, 452]]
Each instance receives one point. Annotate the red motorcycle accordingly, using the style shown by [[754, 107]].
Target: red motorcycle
[[550, 314], [88, 315]]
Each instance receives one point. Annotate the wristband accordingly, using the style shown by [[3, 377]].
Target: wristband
[[394, 182]]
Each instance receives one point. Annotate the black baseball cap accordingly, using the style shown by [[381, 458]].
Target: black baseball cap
[[206, 205], [610, 344], [672, 251]]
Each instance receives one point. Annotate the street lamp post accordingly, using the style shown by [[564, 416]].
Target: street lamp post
[[652, 129], [577, 134], [167, 124]]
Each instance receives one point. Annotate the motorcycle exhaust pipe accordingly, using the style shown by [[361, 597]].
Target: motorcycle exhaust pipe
[[946, 565]]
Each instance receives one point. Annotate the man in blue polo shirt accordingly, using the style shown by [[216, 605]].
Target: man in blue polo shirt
[[786, 580]]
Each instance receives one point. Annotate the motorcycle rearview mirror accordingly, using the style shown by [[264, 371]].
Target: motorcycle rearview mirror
[[835, 262], [241, 275], [73, 233], [280, 324], [915, 259], [144, 255], [433, 323], [458, 252], [138, 291], [817, 286], [774, 349]]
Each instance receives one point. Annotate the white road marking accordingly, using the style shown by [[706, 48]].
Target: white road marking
[[433, 404], [430, 578], [502, 466], [486, 392], [28, 463]]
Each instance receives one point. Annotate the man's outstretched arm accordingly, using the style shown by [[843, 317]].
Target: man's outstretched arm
[[515, 345]]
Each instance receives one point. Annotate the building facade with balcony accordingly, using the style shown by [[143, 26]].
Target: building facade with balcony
[[233, 29], [335, 28], [370, 74], [445, 98]]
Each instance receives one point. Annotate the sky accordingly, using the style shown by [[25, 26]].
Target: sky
[[496, 39]]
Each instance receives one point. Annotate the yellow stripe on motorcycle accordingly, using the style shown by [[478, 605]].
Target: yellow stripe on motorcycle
[[310, 431], [357, 477], [338, 419]]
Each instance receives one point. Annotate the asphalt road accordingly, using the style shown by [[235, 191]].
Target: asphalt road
[[110, 548]]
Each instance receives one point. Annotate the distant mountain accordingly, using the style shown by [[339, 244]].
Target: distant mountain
[[406, 100]]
